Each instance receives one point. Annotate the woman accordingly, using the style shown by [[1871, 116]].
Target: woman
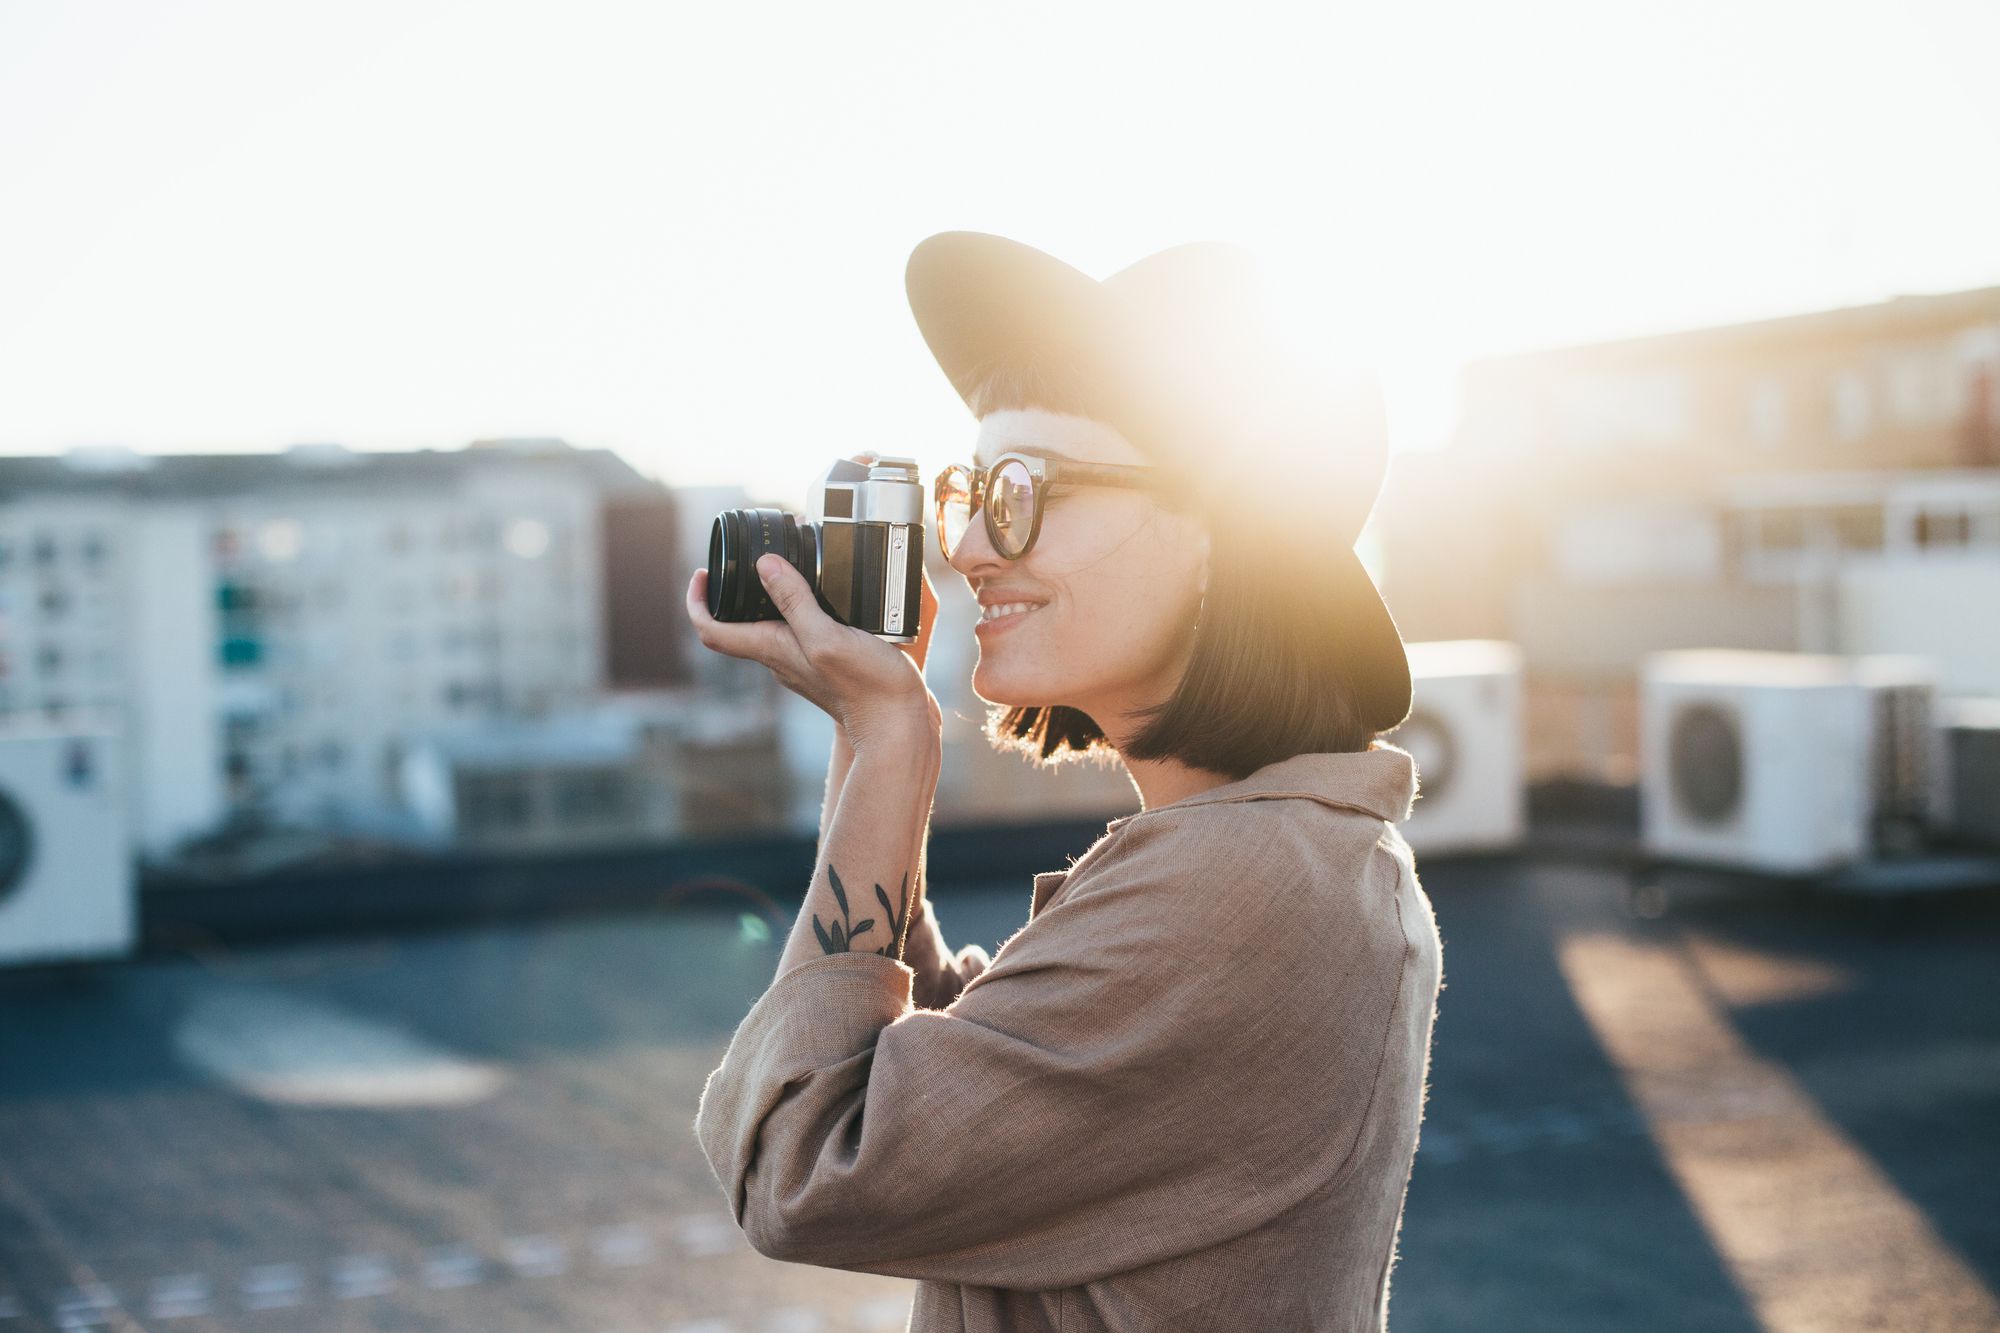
[[1186, 1094]]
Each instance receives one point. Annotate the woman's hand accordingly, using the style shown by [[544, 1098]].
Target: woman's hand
[[873, 690]]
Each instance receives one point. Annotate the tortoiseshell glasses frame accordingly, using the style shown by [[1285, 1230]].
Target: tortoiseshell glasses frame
[[1012, 491]]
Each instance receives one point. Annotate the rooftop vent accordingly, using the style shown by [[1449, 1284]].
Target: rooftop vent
[[317, 454], [525, 444], [107, 458]]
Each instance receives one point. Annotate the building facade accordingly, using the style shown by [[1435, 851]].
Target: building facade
[[276, 630], [1819, 482]]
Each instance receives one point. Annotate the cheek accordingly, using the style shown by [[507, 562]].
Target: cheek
[[1119, 611], [1120, 607]]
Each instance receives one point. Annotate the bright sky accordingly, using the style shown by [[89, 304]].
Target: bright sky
[[679, 230]]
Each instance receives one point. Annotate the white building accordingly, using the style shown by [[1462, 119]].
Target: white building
[[276, 628]]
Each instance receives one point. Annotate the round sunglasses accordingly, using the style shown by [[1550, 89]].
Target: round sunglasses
[[1011, 492]]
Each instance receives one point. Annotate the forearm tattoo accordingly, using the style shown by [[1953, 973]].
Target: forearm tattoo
[[839, 936]]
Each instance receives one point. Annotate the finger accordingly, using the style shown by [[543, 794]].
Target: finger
[[793, 596], [918, 649], [768, 641], [930, 602]]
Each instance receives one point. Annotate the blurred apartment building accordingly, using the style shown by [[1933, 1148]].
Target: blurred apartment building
[[482, 646], [1826, 482]]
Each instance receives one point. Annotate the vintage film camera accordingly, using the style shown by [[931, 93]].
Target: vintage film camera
[[862, 550]]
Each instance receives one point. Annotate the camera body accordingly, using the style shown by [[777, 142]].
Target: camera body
[[861, 550]]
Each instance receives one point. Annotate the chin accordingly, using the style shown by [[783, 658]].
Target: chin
[[1008, 689]]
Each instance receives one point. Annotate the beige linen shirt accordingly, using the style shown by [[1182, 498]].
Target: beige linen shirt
[[1183, 1096]]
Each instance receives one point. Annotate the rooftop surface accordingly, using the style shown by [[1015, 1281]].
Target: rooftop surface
[[1634, 1122]]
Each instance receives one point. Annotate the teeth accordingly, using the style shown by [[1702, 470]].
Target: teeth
[[1005, 609]]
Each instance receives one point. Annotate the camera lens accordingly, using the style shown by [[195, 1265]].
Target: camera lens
[[736, 540]]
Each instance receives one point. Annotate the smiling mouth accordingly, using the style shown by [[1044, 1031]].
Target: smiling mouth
[[1007, 611]]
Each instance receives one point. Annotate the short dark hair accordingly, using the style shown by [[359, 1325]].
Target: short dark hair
[[1265, 680]]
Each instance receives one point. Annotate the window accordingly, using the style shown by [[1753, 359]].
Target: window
[[470, 693], [1943, 528], [1912, 399], [241, 652], [490, 802], [1853, 407], [528, 538], [1767, 413], [282, 539], [1858, 527], [1780, 530], [590, 794], [235, 597]]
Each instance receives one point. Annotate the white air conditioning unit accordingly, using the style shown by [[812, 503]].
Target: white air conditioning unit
[[1465, 730], [1905, 749], [66, 880], [1754, 760]]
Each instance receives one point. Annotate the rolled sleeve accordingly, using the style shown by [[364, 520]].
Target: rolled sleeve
[[804, 1046]]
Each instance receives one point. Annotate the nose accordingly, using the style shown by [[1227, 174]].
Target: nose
[[974, 555]]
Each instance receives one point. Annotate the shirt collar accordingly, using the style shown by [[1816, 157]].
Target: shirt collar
[[1381, 781]]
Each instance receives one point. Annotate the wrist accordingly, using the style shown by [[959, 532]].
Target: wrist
[[901, 735], [908, 746]]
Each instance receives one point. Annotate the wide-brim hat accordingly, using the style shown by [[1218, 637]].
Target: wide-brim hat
[[1180, 353]]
